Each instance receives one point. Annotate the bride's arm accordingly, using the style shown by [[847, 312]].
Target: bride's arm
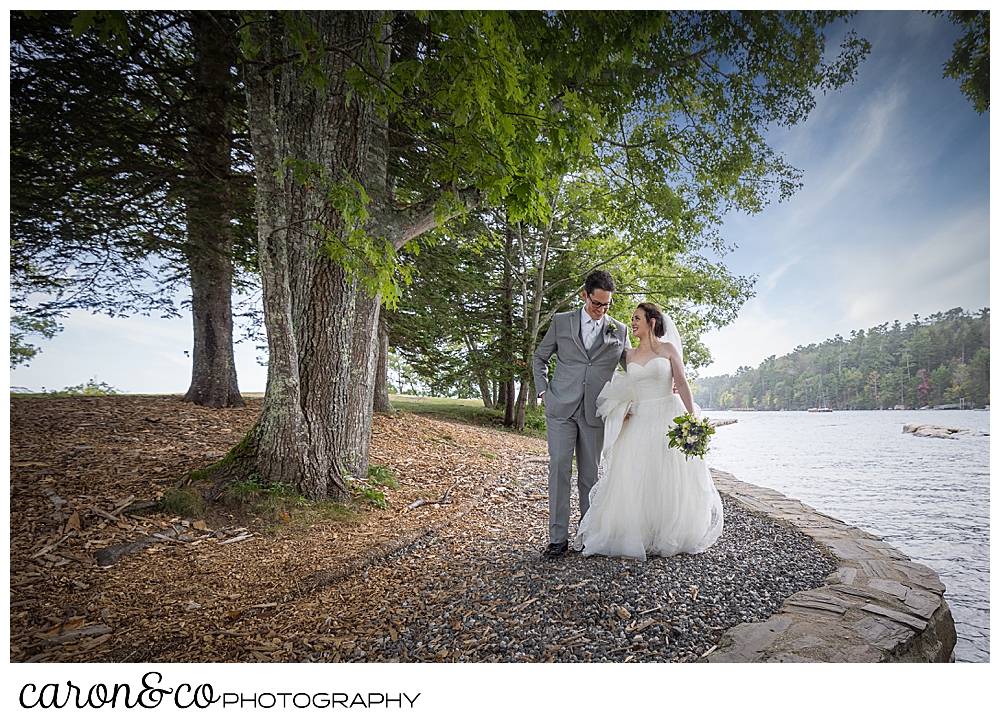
[[680, 381]]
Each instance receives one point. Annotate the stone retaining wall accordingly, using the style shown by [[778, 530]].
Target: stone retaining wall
[[878, 606]]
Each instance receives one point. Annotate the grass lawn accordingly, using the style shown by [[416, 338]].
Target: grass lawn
[[470, 411]]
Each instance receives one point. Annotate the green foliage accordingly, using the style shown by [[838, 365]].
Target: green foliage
[[370, 259], [282, 505], [180, 502], [252, 489], [111, 26], [690, 435], [382, 477], [970, 58], [635, 150], [669, 108], [534, 419], [100, 108], [269, 500], [371, 495], [92, 388], [942, 359], [22, 325]]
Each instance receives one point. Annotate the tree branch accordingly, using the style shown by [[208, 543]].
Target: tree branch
[[407, 223]]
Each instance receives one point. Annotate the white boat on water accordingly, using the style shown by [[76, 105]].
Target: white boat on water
[[819, 409]]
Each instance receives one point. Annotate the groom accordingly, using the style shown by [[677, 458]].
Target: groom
[[588, 345]]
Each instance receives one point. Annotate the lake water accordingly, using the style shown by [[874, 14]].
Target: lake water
[[928, 497]]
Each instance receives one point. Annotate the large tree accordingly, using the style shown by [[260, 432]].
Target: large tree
[[371, 128], [125, 174], [503, 282]]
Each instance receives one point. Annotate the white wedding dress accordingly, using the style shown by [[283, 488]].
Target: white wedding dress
[[650, 499]]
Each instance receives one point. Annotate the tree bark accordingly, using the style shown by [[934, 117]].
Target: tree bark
[[311, 306], [382, 403], [361, 397], [522, 402], [209, 212], [315, 423], [484, 389], [507, 331]]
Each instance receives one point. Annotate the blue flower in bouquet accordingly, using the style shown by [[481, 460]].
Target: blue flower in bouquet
[[690, 435]]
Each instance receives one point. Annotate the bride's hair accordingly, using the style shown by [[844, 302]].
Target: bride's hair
[[654, 317]]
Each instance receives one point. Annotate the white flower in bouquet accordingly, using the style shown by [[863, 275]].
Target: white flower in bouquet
[[691, 434]]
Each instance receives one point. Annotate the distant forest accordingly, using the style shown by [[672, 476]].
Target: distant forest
[[941, 360]]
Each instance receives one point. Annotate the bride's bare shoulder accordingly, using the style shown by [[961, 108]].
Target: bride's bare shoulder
[[667, 350]]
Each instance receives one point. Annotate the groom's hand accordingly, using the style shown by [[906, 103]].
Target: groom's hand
[[541, 397]]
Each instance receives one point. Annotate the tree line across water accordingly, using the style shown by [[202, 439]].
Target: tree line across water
[[943, 359]]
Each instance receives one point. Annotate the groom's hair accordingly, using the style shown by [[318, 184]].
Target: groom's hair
[[599, 279]]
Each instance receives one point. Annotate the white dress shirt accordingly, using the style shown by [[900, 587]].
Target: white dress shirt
[[590, 327]]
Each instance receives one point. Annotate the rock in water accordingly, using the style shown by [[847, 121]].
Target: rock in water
[[934, 430]]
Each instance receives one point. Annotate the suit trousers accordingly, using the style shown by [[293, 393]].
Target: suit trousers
[[566, 436]]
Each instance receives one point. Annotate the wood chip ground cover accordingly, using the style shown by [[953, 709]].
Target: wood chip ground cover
[[443, 583], [190, 596]]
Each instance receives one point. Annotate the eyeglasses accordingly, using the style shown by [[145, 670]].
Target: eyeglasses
[[597, 306]]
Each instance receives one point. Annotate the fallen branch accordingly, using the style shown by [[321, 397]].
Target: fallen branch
[[49, 548], [78, 633], [105, 515], [108, 556], [443, 500]]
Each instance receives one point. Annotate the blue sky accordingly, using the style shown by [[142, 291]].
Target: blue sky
[[893, 220], [893, 217]]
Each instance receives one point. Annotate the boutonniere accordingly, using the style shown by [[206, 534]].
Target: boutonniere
[[610, 330]]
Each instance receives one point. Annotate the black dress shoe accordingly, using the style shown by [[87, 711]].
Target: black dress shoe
[[555, 549]]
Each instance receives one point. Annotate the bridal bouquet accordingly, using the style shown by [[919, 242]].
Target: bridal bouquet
[[690, 434]]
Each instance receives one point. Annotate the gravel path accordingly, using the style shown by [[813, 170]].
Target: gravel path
[[482, 592]]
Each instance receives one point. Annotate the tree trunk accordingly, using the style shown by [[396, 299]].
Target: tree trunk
[[507, 331], [484, 389], [522, 402], [209, 210], [315, 424], [381, 402], [361, 398], [307, 435], [480, 371], [508, 410]]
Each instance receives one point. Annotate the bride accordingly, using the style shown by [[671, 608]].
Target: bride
[[651, 499]]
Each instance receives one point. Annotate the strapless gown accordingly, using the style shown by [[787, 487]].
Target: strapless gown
[[650, 499]]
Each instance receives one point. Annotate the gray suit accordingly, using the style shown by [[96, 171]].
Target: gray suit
[[571, 407]]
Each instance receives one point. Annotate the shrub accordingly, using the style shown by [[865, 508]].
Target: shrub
[[382, 477], [535, 418], [264, 499], [374, 497], [180, 503], [92, 388]]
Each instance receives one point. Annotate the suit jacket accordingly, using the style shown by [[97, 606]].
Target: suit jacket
[[580, 374]]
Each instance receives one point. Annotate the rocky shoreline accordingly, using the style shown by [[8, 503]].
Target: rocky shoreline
[[878, 606]]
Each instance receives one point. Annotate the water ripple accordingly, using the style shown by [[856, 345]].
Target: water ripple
[[928, 497]]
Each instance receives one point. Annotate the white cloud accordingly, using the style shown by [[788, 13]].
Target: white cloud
[[893, 219], [771, 280], [947, 267]]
